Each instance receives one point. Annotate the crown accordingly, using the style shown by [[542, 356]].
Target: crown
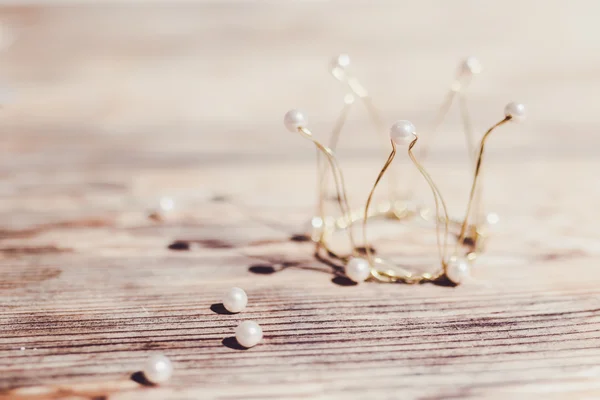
[[362, 262]]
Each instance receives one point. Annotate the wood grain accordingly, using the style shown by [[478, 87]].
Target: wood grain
[[116, 106]]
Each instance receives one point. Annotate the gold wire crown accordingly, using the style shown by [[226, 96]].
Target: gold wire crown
[[362, 263]]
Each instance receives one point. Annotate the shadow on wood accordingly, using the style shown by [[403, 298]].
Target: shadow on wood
[[232, 343], [219, 308], [140, 378]]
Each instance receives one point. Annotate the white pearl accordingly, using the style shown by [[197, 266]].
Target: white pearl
[[492, 218], [294, 119], [471, 65], [458, 270], [342, 61], [515, 110], [166, 204], [158, 369], [235, 300], [402, 132], [248, 333], [358, 269], [338, 66]]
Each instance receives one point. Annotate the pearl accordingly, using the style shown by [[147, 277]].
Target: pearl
[[515, 110], [471, 65], [402, 132], [458, 270], [492, 218], [158, 369], [166, 204], [235, 300], [338, 66], [358, 269], [294, 119], [248, 334], [342, 61]]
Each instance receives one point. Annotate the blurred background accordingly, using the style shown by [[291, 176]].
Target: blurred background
[[175, 85], [126, 67]]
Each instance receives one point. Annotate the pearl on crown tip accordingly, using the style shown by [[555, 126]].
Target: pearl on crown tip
[[158, 369], [516, 111], [294, 119], [342, 61], [402, 132], [458, 270], [248, 334], [357, 269], [472, 65]]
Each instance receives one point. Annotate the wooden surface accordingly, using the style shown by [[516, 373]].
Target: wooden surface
[[115, 107]]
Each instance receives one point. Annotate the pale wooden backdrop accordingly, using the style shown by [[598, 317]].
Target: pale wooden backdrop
[[111, 107]]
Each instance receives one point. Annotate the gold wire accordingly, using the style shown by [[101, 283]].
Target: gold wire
[[338, 177], [467, 126], [458, 87], [408, 277], [368, 204], [440, 117], [458, 90], [321, 189], [339, 125], [442, 250], [470, 141], [465, 224], [359, 90], [344, 221], [349, 217], [322, 170]]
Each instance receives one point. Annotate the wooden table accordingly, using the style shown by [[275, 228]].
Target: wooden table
[[115, 107]]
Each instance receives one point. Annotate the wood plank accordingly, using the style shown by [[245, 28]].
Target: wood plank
[[117, 106]]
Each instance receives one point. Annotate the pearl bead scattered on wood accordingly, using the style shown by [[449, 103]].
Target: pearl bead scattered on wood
[[235, 300], [158, 369], [358, 269], [458, 270], [294, 119], [515, 110], [166, 204], [248, 334], [402, 132]]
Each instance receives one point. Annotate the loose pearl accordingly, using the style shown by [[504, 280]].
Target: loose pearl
[[166, 204], [235, 300], [158, 369], [458, 270], [294, 119], [515, 110], [248, 334], [471, 65], [402, 132], [358, 269], [492, 218]]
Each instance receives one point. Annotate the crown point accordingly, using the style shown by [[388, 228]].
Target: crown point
[[294, 120], [471, 65], [341, 61], [515, 111], [402, 132], [339, 65]]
